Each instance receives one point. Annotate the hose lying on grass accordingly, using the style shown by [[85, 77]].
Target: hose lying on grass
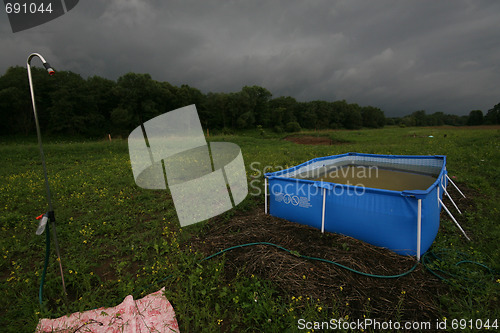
[[430, 260]]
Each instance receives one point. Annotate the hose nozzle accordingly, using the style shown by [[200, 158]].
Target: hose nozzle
[[43, 223], [49, 69]]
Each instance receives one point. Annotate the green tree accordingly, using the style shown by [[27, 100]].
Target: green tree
[[15, 101], [122, 119], [309, 118], [239, 112], [277, 115], [338, 115], [372, 117], [283, 110], [353, 118], [186, 95], [101, 93], [475, 118], [408, 121], [453, 120], [392, 121], [322, 110], [72, 111], [245, 120], [293, 126], [15, 111], [493, 115], [419, 118], [214, 110], [258, 103], [140, 96], [436, 119]]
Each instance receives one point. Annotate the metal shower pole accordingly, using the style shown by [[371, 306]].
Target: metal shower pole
[[50, 213]]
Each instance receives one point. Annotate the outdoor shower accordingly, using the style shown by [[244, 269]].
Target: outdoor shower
[[44, 218]]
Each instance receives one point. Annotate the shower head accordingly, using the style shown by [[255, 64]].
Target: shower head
[[49, 69]]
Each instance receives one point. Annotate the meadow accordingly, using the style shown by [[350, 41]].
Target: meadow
[[117, 239]]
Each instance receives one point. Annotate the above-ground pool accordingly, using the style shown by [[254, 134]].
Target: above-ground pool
[[391, 201]]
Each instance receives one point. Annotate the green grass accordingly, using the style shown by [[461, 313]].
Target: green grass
[[118, 239]]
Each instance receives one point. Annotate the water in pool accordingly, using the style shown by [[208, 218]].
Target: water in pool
[[374, 177]]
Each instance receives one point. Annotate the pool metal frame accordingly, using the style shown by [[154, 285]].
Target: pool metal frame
[[428, 206]]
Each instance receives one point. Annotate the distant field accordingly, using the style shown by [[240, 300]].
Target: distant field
[[118, 239]]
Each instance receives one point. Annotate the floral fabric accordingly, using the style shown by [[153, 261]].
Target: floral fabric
[[153, 313]]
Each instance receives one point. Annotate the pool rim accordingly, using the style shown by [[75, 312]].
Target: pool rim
[[330, 185]]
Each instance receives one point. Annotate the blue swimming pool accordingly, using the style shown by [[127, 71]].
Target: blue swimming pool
[[405, 221]]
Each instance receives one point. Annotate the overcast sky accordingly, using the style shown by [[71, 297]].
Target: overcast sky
[[398, 55]]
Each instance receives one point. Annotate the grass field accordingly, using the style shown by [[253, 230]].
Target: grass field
[[118, 239]]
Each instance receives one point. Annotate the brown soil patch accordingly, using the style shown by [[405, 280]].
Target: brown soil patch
[[312, 140], [412, 297], [105, 270]]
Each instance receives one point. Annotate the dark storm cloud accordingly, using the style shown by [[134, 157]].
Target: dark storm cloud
[[398, 55]]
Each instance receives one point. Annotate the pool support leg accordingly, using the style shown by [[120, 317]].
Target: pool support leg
[[454, 220], [451, 181], [419, 228], [265, 195], [323, 212], [453, 202]]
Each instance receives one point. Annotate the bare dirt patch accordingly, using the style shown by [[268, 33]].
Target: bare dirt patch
[[412, 297]]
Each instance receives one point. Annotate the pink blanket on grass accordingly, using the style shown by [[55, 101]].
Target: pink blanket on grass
[[152, 313]]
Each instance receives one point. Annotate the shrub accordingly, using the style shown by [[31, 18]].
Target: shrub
[[278, 129], [227, 131], [261, 130], [293, 126]]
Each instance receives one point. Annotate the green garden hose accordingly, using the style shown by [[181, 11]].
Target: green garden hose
[[427, 259], [314, 258], [434, 261], [47, 253]]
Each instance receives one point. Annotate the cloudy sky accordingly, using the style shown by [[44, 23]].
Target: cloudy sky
[[399, 55]]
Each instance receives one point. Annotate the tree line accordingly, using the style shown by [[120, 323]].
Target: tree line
[[94, 107], [475, 117]]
